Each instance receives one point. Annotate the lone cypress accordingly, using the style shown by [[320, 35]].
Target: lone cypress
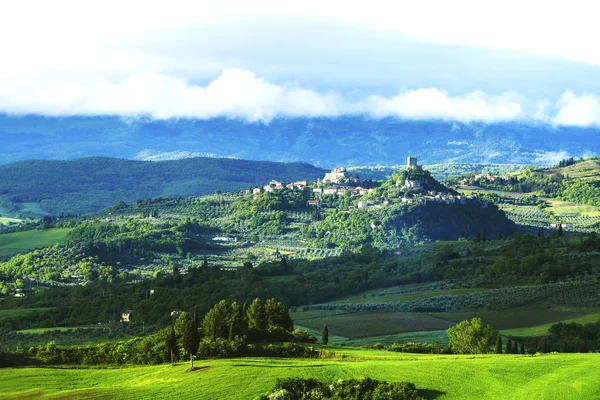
[[499, 345], [325, 335], [508, 347]]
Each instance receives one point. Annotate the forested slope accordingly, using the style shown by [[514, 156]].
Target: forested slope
[[89, 184]]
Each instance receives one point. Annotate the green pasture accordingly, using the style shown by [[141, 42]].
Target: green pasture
[[388, 295], [8, 221], [552, 376], [369, 327], [28, 240], [542, 330], [19, 312]]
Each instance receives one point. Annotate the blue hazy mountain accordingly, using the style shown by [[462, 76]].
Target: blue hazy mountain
[[323, 142]]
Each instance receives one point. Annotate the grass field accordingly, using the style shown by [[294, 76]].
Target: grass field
[[19, 312], [23, 241], [389, 295], [552, 376], [542, 330], [357, 328], [8, 221]]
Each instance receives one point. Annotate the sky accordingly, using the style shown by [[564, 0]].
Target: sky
[[530, 61]]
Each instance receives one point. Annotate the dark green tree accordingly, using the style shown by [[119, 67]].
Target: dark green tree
[[256, 317], [190, 336], [171, 342], [509, 346], [522, 349], [499, 345], [325, 335]]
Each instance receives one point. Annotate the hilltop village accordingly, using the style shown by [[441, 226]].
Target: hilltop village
[[413, 186]]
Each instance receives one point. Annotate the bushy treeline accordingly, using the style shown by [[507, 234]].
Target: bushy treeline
[[572, 337], [227, 330], [347, 389]]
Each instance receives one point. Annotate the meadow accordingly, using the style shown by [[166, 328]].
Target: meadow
[[549, 376], [18, 242]]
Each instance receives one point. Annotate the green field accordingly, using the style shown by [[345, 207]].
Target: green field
[[8, 221], [542, 330], [24, 241], [552, 376], [19, 312]]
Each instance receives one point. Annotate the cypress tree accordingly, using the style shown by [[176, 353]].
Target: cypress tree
[[509, 346], [560, 231], [515, 348], [546, 347], [522, 348], [499, 345], [325, 335]]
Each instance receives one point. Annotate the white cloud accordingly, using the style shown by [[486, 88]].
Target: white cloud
[[156, 155], [582, 111], [550, 157], [436, 104], [238, 93]]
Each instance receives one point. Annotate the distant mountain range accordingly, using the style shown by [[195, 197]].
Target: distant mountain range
[[326, 142], [90, 184]]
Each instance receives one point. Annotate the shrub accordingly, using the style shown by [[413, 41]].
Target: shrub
[[349, 389]]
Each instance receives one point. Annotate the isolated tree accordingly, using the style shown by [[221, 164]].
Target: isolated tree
[[471, 337], [325, 335], [284, 266], [522, 350], [560, 230], [190, 336], [509, 347], [499, 345], [171, 341]]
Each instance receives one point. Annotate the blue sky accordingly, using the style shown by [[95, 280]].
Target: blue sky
[[533, 61]]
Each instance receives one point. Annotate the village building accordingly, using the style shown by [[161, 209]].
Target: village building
[[256, 191], [126, 315], [411, 163], [335, 176], [412, 184], [276, 185], [313, 203]]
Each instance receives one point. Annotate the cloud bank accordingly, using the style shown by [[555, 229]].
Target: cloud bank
[[239, 93]]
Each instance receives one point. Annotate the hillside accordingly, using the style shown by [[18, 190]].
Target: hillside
[[90, 184], [584, 169], [326, 142]]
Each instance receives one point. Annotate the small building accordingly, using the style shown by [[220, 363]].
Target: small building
[[335, 176], [313, 203], [126, 315], [268, 188], [176, 313], [411, 163], [412, 184], [362, 204], [276, 184], [256, 191], [224, 239]]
